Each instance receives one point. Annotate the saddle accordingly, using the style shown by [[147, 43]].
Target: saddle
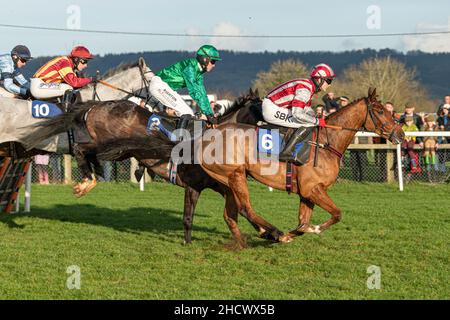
[[79, 134], [168, 126]]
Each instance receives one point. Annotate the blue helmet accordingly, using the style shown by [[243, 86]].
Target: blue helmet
[[22, 52]]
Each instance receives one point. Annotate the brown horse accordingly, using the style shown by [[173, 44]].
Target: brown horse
[[311, 181]]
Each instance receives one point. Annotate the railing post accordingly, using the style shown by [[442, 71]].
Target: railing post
[[67, 169], [389, 164], [399, 167], [133, 166], [28, 190]]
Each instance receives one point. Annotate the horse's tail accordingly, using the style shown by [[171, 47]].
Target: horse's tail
[[54, 126], [148, 147]]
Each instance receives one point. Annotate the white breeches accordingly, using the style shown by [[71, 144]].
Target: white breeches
[[168, 97], [41, 90], [283, 116]]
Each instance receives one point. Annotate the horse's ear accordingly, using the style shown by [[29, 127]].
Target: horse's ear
[[372, 95], [142, 64], [250, 92], [256, 92]]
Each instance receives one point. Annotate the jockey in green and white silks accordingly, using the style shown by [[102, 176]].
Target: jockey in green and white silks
[[188, 74]]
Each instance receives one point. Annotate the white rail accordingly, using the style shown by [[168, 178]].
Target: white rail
[[398, 147]]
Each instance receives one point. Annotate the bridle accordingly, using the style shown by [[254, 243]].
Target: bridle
[[380, 129], [380, 126]]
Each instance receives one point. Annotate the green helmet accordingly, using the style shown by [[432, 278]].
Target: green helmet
[[208, 51]]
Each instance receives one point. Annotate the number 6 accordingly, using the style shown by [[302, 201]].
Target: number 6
[[266, 141]]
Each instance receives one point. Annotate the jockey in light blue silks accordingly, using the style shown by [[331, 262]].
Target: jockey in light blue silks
[[12, 82]]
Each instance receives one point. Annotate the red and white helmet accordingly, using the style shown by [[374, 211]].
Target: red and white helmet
[[81, 52], [322, 71]]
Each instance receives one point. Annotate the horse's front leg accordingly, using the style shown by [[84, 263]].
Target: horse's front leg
[[238, 184], [98, 168], [88, 181], [190, 201], [304, 216], [320, 197]]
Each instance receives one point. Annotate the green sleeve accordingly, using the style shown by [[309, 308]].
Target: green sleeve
[[197, 90]]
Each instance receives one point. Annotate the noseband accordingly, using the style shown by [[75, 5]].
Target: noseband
[[381, 130]]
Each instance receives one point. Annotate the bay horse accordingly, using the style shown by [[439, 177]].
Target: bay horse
[[119, 130], [310, 181]]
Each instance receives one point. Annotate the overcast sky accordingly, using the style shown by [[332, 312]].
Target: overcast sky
[[224, 17]]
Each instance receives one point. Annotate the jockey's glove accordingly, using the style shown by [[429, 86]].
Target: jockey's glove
[[211, 119], [94, 79], [321, 122]]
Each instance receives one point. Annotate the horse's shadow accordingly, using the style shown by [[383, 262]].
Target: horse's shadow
[[134, 220]]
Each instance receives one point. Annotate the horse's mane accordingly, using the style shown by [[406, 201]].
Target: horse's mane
[[120, 68], [335, 114], [239, 102]]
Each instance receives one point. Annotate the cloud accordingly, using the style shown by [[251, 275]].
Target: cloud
[[193, 43], [234, 43], [231, 43], [351, 44], [430, 42]]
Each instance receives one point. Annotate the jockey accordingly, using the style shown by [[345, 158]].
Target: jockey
[[289, 105], [12, 81], [57, 76], [186, 73]]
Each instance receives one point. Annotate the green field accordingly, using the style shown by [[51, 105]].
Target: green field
[[128, 245]]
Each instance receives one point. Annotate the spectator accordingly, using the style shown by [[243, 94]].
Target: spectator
[[343, 101], [409, 111], [55, 163], [41, 161], [319, 111], [430, 144], [445, 104], [443, 123], [408, 144], [444, 119], [390, 107], [417, 119], [331, 104]]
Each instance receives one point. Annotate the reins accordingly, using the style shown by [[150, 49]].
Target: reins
[[327, 145], [115, 88]]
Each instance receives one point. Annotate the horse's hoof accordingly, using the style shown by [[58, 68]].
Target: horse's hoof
[[285, 239], [273, 235], [317, 230], [82, 188]]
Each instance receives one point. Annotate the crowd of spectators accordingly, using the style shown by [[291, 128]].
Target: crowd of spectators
[[416, 151]]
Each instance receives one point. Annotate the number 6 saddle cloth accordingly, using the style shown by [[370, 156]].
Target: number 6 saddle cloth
[[272, 140]]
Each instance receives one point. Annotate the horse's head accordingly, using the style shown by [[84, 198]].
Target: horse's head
[[380, 120]]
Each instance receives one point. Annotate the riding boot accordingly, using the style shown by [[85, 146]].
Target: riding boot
[[67, 99], [183, 123], [288, 152]]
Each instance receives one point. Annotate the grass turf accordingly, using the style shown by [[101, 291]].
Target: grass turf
[[128, 245]]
